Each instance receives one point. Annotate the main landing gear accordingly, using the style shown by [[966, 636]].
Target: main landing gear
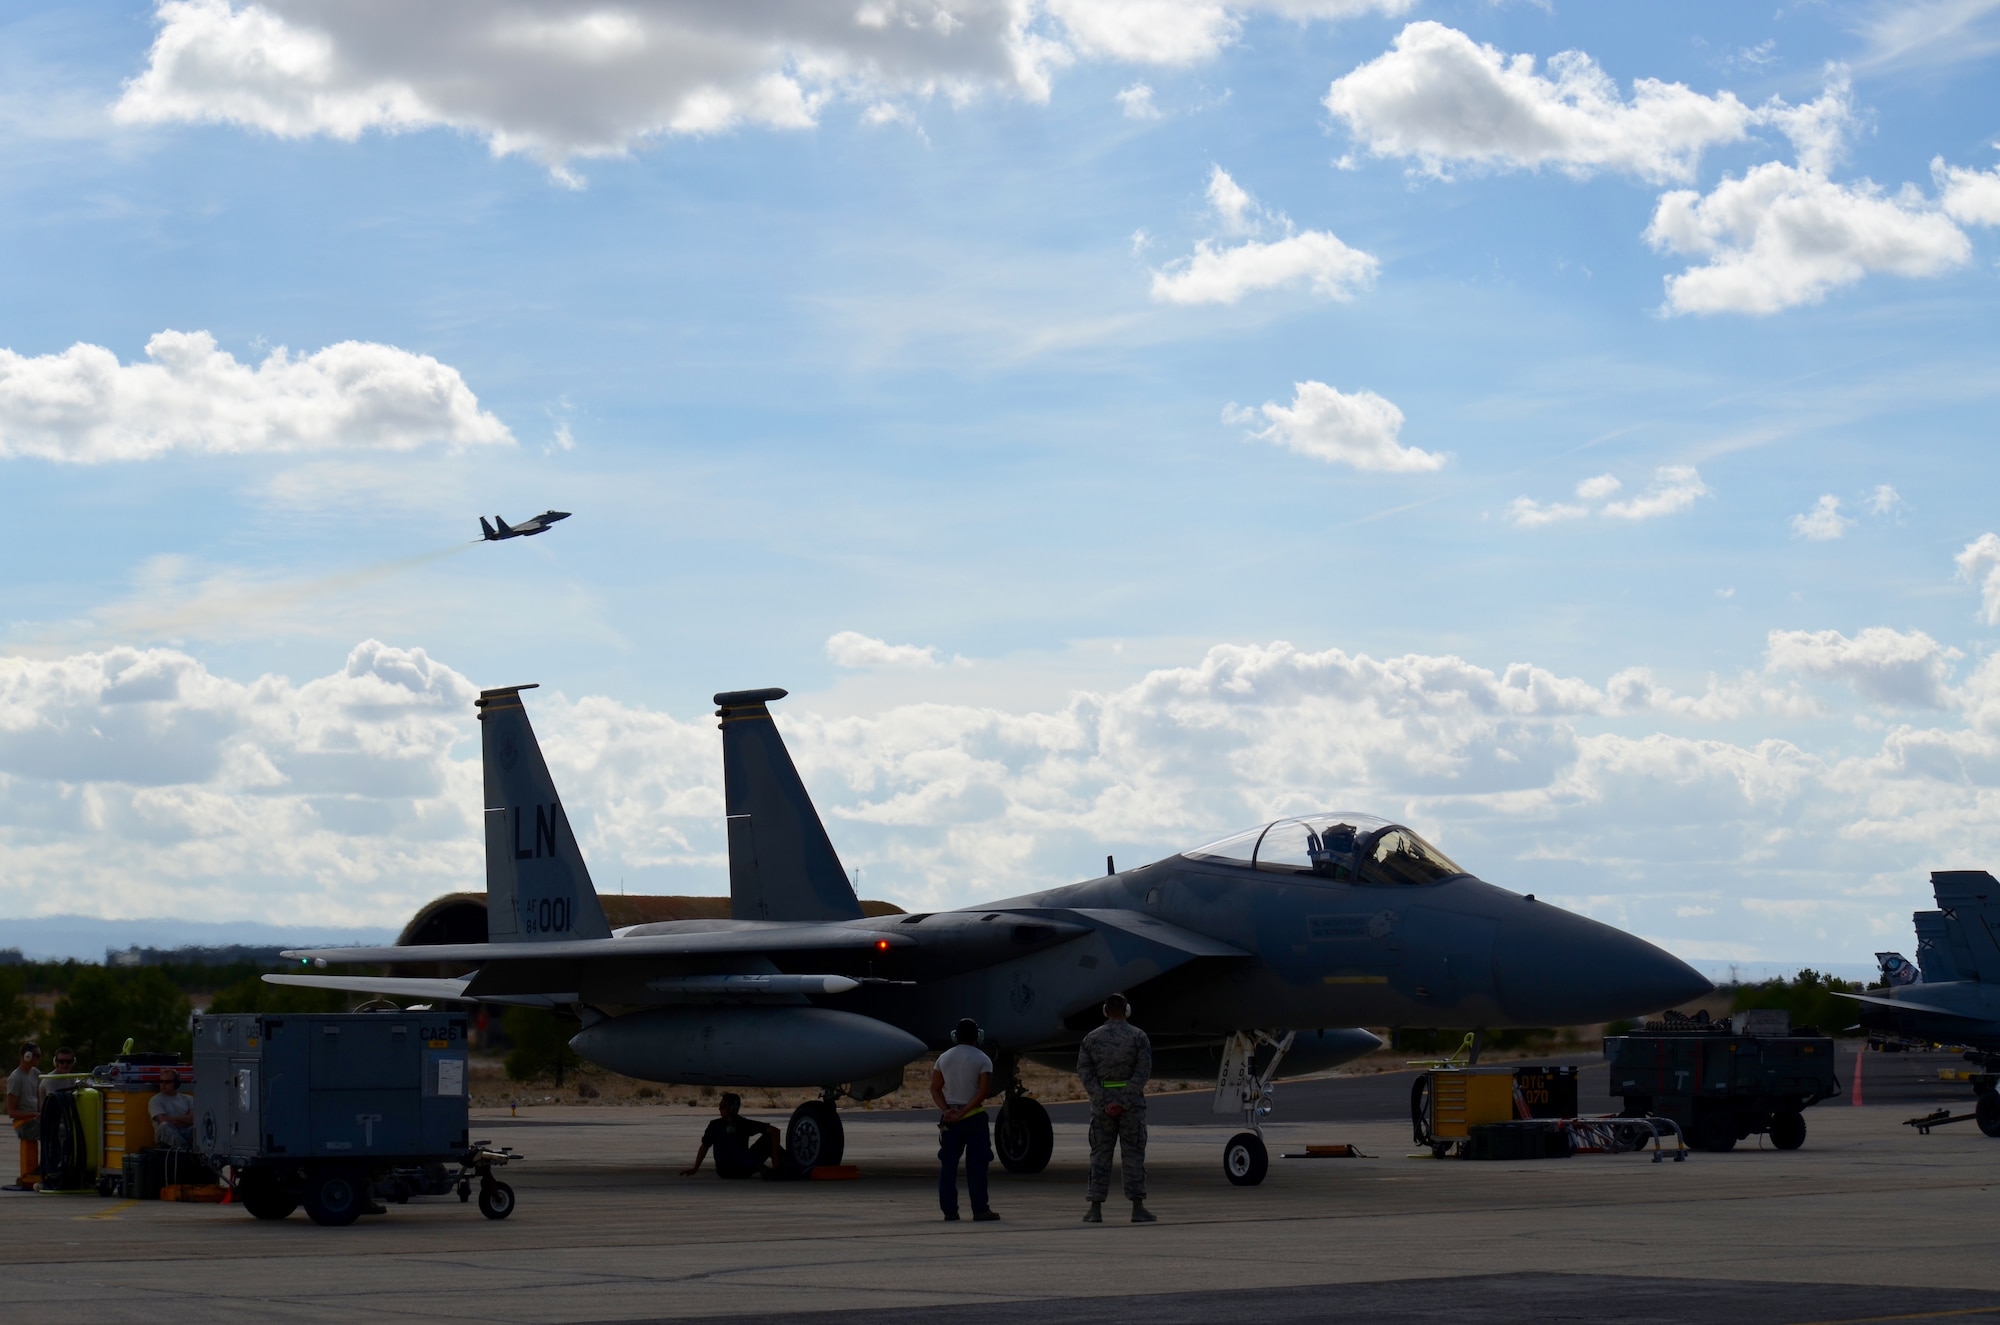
[[815, 1137], [1239, 1087], [1023, 1136]]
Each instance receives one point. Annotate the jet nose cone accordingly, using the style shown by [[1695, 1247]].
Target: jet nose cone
[[1554, 968]]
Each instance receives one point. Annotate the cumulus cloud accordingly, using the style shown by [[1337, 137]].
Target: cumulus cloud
[[83, 406], [1224, 274], [1674, 489], [1312, 258], [1979, 566], [1885, 501], [1782, 236], [1233, 204], [1819, 128], [137, 781], [1441, 98], [1359, 429], [1182, 32], [1136, 102], [558, 81], [1823, 522], [850, 648], [1527, 513], [1906, 670], [1970, 197]]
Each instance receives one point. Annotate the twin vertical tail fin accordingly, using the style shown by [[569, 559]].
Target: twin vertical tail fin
[[487, 530], [1963, 935], [537, 886], [781, 864]]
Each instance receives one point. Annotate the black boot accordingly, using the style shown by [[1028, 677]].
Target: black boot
[[1141, 1215], [1094, 1215]]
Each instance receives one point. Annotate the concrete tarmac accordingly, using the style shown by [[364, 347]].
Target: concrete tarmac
[[1869, 1222]]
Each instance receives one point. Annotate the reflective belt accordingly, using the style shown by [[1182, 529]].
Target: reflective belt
[[1114, 1085]]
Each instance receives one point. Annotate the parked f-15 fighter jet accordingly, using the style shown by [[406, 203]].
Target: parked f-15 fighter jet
[[526, 529], [1957, 1000], [1254, 950]]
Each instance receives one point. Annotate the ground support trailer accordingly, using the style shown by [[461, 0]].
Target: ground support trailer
[[1720, 1086], [325, 1111]]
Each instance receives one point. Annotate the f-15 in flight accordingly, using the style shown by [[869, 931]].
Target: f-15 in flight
[[526, 529], [1957, 1000], [1257, 951]]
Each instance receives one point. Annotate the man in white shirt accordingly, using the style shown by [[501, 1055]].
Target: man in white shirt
[[960, 1083], [172, 1114]]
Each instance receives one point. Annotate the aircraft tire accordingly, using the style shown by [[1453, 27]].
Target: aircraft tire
[[1023, 1136], [815, 1138], [1788, 1129], [1986, 1112], [496, 1200], [1245, 1161], [335, 1196]]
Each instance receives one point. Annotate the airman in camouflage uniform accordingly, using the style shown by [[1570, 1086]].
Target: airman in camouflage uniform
[[1114, 1063]]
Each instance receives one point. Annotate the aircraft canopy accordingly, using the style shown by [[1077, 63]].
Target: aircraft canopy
[[1341, 846]]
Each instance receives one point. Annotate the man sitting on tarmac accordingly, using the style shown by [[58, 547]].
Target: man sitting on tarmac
[[742, 1145]]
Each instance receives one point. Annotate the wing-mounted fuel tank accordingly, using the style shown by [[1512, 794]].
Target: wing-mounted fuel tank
[[748, 1046]]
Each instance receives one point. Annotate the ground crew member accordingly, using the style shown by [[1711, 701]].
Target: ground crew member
[[1114, 1063], [172, 1114], [960, 1082], [742, 1145], [24, 1110]]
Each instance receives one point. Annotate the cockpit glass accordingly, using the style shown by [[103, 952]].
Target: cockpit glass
[[1339, 847], [1238, 847], [1399, 856]]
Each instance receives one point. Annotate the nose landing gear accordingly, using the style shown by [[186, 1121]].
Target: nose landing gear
[[1239, 1087]]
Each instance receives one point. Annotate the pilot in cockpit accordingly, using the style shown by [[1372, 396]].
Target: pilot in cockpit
[[1332, 851]]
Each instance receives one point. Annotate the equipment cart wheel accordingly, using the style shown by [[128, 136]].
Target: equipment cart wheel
[[260, 1192], [335, 1196], [815, 1138], [496, 1200], [1716, 1132], [1023, 1136], [1788, 1130], [1986, 1112], [1244, 1159]]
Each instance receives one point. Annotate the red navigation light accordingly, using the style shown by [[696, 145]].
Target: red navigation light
[[881, 945]]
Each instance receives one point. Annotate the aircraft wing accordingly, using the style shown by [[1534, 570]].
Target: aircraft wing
[[1905, 1005], [1140, 925], [758, 939], [443, 991]]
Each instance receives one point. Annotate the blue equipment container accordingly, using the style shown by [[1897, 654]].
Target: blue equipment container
[[324, 1109]]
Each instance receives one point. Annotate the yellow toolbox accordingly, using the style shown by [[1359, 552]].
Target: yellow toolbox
[[126, 1126], [1458, 1101]]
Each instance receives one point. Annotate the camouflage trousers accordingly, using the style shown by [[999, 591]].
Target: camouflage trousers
[[1127, 1130]]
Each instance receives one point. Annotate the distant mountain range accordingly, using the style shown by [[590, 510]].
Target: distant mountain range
[[54, 938]]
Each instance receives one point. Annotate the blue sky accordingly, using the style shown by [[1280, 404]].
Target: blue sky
[[1115, 423]]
